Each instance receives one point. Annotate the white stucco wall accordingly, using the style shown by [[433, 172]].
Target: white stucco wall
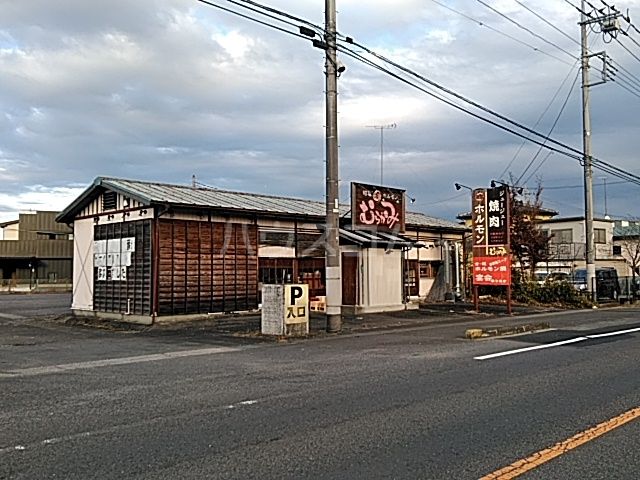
[[381, 277], [82, 265]]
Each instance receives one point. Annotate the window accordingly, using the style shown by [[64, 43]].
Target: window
[[562, 236], [600, 235], [428, 269], [617, 250]]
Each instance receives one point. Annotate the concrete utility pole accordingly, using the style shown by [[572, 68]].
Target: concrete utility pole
[[332, 241], [586, 143]]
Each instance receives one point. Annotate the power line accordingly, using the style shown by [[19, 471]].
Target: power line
[[500, 32], [547, 22], [555, 95], [253, 19], [577, 155], [528, 30], [564, 105], [565, 187], [571, 153]]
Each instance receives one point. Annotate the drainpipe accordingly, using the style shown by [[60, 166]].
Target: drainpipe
[[458, 295]]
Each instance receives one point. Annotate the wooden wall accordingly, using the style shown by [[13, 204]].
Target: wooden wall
[[207, 267], [134, 292]]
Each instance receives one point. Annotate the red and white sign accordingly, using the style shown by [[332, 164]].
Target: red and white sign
[[492, 271]]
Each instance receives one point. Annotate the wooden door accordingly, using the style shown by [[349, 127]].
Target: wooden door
[[349, 278]]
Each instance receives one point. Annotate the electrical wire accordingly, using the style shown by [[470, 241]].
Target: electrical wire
[[530, 10], [528, 30], [500, 32], [253, 19], [568, 150], [553, 99], [555, 122]]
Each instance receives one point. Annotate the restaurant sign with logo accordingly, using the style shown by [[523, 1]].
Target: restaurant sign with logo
[[377, 208]]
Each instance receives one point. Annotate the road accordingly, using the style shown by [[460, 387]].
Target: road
[[418, 403]]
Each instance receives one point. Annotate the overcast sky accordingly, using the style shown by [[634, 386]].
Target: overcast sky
[[161, 90]]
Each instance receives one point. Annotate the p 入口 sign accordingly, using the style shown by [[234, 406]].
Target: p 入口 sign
[[296, 303]]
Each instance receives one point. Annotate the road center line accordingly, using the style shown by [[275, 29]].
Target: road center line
[[543, 456], [556, 344], [109, 362]]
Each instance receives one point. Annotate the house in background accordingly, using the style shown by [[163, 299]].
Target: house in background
[[626, 242], [35, 249], [149, 251], [567, 245]]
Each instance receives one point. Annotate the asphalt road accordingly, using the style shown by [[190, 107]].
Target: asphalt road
[[34, 305], [82, 403]]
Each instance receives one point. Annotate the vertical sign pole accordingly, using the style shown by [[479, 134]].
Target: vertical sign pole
[[509, 311], [476, 299]]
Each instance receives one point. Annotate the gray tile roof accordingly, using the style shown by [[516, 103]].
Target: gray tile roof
[[205, 197], [628, 231]]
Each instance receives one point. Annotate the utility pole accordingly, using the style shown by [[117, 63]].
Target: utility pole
[[332, 242], [382, 128], [586, 159], [609, 25]]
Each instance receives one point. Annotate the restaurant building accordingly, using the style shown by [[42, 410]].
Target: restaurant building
[[148, 252]]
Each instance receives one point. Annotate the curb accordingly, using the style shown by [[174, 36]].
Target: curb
[[474, 333]]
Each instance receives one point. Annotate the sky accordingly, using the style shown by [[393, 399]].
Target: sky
[[162, 90]]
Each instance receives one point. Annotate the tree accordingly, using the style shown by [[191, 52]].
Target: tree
[[529, 244]]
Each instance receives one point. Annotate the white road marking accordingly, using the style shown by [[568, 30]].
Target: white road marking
[[11, 316], [556, 344], [110, 362], [248, 402]]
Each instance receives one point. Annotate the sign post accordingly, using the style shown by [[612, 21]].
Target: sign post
[[285, 310]]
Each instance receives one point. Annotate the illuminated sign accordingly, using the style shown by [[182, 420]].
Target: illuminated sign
[[377, 208]]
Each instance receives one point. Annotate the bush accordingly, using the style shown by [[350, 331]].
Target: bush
[[562, 293]]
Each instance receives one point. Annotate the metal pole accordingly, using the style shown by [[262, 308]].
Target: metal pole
[[458, 295], [588, 173], [382, 155], [606, 212], [332, 245]]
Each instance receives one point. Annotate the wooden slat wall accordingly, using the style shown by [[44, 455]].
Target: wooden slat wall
[[207, 267], [111, 296]]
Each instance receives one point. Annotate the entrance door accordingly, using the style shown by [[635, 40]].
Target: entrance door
[[349, 278]]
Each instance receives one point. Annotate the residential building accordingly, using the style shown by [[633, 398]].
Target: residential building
[[626, 243], [567, 245]]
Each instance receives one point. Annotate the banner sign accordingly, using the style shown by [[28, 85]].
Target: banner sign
[[494, 271], [374, 207]]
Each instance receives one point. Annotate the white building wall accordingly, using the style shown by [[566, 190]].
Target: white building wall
[[82, 265], [381, 278]]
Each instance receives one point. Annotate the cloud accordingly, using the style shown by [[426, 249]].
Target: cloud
[[164, 89]]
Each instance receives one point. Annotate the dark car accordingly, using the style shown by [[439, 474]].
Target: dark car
[[607, 285]]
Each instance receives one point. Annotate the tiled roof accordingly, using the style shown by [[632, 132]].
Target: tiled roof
[[628, 231], [205, 197]]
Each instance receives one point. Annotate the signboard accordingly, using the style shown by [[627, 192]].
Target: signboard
[[296, 301], [285, 310], [374, 207], [112, 257], [494, 271], [491, 236], [490, 221]]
